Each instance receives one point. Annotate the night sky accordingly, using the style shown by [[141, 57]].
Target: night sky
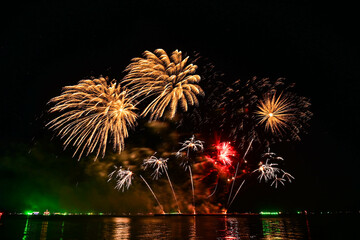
[[45, 46]]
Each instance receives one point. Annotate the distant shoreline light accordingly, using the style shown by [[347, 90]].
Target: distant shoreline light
[[262, 213]]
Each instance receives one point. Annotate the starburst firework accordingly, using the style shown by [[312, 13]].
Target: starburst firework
[[93, 112], [245, 103], [275, 112], [169, 79]]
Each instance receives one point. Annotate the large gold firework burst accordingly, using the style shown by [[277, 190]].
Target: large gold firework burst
[[93, 112], [276, 112], [170, 80]]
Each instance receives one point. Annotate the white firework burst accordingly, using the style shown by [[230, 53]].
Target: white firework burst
[[191, 144], [123, 178], [270, 171], [159, 165]]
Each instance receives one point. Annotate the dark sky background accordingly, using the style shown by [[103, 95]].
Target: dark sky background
[[45, 46]]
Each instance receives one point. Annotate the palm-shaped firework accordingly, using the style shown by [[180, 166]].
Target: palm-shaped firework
[[160, 166], [194, 145], [191, 144], [169, 79], [124, 178], [93, 112], [269, 170]]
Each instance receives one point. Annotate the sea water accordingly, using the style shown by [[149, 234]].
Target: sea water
[[180, 227]]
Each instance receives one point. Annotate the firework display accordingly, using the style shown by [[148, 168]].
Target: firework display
[[239, 121]]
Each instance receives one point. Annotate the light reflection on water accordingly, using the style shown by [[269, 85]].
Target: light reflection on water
[[160, 227], [116, 228]]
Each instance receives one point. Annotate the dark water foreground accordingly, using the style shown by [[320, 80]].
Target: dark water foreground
[[180, 227]]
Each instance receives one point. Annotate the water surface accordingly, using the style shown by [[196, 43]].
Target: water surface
[[179, 227]]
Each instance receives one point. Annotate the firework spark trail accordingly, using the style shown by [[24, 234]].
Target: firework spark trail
[[160, 165], [217, 183], [237, 167], [169, 79], [162, 209], [192, 188], [232, 185], [173, 191], [93, 112], [236, 194], [287, 176], [278, 180]]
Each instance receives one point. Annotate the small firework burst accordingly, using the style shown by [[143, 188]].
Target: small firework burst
[[159, 165], [276, 113], [123, 178], [191, 144], [268, 170]]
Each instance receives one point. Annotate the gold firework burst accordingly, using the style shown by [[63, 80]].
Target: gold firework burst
[[93, 113], [170, 80], [276, 112]]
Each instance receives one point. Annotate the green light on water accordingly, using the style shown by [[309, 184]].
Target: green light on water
[[28, 213], [26, 230], [62, 230], [269, 213]]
